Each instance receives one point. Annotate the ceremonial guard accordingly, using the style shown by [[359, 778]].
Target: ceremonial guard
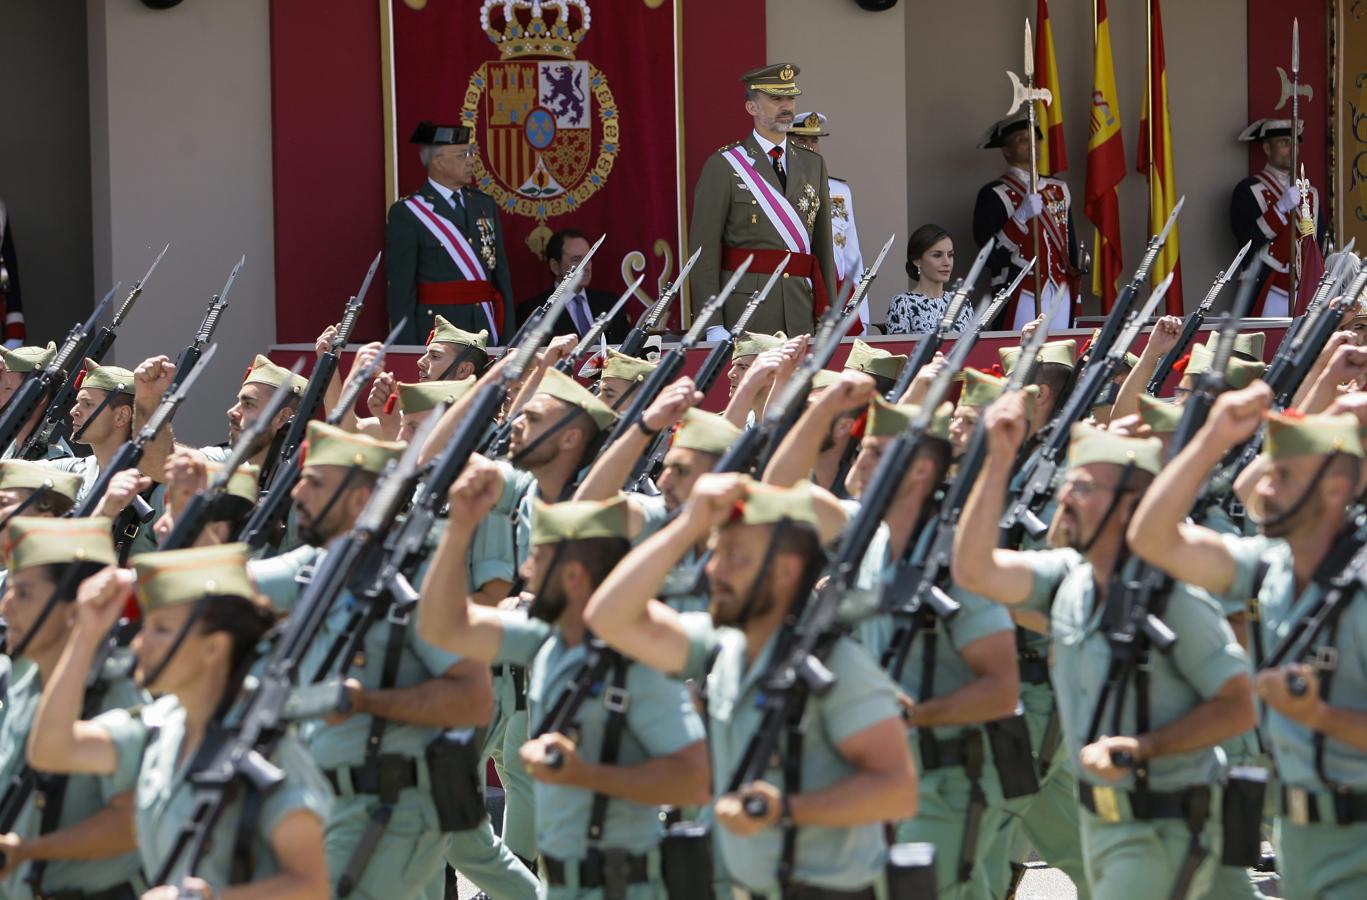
[[1007, 210], [849, 261], [444, 246], [1275, 209], [765, 196]]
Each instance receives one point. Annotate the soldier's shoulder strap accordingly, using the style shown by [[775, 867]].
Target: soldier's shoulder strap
[[725, 147]]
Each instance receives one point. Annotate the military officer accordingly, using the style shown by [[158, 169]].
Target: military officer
[[765, 196], [383, 837], [1307, 481], [640, 746], [201, 631], [1148, 830], [854, 771], [1268, 209], [1008, 210], [849, 261], [444, 245], [53, 845]]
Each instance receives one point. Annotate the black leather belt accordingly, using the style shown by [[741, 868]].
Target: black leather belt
[[591, 873], [123, 891], [949, 752], [1034, 668], [1305, 807], [1144, 805], [388, 775]]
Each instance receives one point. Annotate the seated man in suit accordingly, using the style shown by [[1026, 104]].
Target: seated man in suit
[[564, 250]]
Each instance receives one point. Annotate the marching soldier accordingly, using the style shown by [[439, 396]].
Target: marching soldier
[[15, 367], [452, 355], [1007, 210], [765, 196], [621, 375], [1268, 209], [444, 245], [849, 261]]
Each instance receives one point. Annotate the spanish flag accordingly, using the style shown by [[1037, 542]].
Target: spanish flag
[[1053, 155], [1105, 166], [1155, 162]]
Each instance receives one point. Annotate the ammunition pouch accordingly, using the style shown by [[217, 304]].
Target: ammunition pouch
[[453, 760], [1010, 741], [1242, 816], [686, 861]]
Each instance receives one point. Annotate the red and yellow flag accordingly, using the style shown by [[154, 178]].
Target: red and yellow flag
[[1155, 162], [1105, 166], [1053, 155]]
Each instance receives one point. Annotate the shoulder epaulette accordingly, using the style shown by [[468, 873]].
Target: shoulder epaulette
[[725, 147]]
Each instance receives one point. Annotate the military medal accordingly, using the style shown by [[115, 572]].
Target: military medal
[[487, 251]]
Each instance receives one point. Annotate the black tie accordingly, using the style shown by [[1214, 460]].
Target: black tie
[[776, 154]]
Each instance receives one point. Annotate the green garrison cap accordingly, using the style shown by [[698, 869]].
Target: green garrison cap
[[577, 520], [1161, 416], [1094, 445], [331, 446], [752, 344], [244, 483], [1250, 344], [1061, 352], [173, 577], [627, 368], [823, 378], [44, 541], [889, 420], [1293, 434], [425, 395], [705, 432], [765, 504], [874, 361], [20, 474], [265, 372], [565, 389], [443, 332], [22, 360], [107, 378], [1240, 373], [779, 79], [980, 388]]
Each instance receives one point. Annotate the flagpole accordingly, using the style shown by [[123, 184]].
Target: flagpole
[[1148, 92]]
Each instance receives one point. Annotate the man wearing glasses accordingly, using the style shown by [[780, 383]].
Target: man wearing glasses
[[444, 246]]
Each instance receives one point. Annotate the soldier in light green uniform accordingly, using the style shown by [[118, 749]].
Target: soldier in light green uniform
[[1311, 472], [1151, 830], [636, 745], [400, 698], [729, 222], [15, 367], [855, 769], [424, 277], [52, 845], [620, 377]]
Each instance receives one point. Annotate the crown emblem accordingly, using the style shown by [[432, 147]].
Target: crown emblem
[[812, 121], [785, 73], [535, 27]]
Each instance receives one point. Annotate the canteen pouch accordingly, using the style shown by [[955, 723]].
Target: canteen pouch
[[453, 766], [1010, 740], [1242, 816], [910, 871], [686, 859]]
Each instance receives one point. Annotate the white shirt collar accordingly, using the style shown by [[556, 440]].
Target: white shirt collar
[[1020, 173], [446, 192], [1277, 175], [766, 145]]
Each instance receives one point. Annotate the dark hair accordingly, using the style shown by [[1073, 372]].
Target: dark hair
[[599, 556], [921, 240], [50, 503], [801, 539], [54, 573], [1056, 377], [940, 453], [882, 384], [243, 620], [556, 245]]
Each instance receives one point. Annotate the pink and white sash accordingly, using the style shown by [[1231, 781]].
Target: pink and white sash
[[776, 207], [456, 244]]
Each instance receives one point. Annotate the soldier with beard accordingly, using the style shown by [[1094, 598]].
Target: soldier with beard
[[1308, 477], [854, 770], [1144, 829]]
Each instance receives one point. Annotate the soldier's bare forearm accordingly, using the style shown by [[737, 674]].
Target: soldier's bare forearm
[[108, 832], [1229, 713]]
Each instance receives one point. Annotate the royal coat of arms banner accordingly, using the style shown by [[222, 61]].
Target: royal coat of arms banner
[[575, 113]]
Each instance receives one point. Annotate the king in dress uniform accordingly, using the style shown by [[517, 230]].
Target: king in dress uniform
[[444, 246], [1268, 209], [1005, 210], [765, 196]]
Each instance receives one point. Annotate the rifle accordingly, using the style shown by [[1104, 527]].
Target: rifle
[[636, 337], [930, 342], [33, 394], [798, 668], [217, 303], [1328, 283], [198, 509], [56, 425], [130, 452], [572, 277], [672, 361], [1038, 483], [590, 337], [273, 504], [1193, 323], [647, 468], [919, 579]]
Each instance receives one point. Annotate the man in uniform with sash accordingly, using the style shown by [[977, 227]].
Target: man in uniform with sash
[[1006, 208], [444, 246], [765, 196]]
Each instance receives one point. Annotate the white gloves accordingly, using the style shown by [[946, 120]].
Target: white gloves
[[1031, 206], [1289, 200]]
